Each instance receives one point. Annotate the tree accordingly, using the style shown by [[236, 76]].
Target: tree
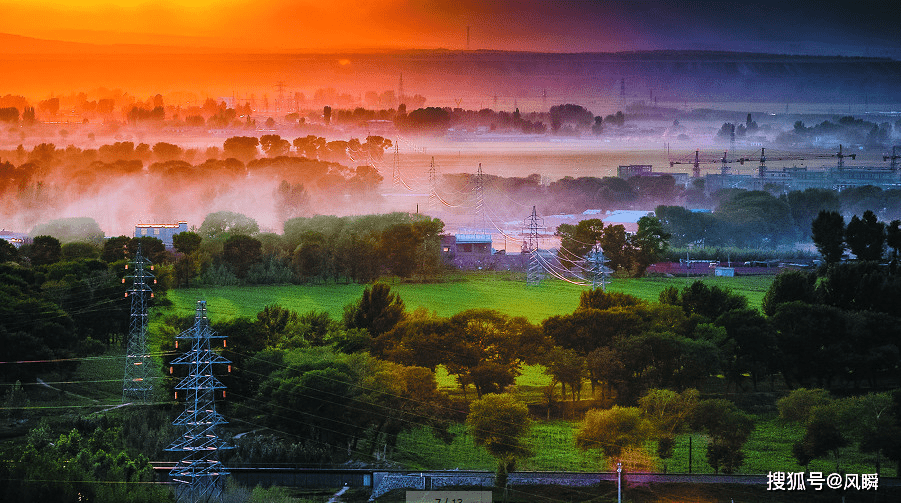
[[823, 433], [893, 238], [866, 236], [567, 368], [378, 310], [613, 430], [241, 252], [669, 413], [806, 205], [797, 405], [571, 117], [754, 342], [650, 242], [273, 145], [45, 250], [222, 223], [291, 200], [728, 429], [789, 286], [186, 242], [828, 232], [8, 252], [242, 148], [276, 323], [67, 230], [499, 423]]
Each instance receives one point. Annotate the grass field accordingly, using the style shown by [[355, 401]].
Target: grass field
[[506, 292], [767, 449]]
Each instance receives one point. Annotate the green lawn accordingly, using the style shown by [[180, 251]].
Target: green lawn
[[505, 292]]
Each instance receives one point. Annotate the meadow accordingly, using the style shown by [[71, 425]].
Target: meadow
[[503, 291]]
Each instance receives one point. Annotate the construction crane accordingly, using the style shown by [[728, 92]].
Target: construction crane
[[762, 159]]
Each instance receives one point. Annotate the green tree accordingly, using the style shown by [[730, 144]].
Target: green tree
[[71, 229], [378, 310], [223, 223], [499, 423], [567, 368], [669, 413], [797, 405], [727, 428], [276, 323], [240, 252], [8, 252], [650, 242], [893, 238], [866, 236], [186, 242], [45, 250], [828, 232], [789, 286], [613, 430]]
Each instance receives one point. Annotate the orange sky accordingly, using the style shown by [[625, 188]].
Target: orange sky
[[289, 25], [856, 28]]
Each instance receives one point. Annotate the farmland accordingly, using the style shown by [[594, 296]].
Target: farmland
[[505, 292]]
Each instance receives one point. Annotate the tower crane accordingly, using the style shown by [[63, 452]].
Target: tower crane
[[762, 159]]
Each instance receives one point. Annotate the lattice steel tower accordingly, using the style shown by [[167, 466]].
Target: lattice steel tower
[[598, 270], [395, 176], [530, 246], [137, 384], [480, 198], [199, 476], [433, 188]]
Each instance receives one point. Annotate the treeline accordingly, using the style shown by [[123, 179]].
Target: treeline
[[66, 301], [846, 129], [229, 249], [48, 180], [758, 219], [312, 380]]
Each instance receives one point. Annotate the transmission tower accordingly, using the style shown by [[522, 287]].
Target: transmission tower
[[599, 271], [480, 196], [433, 188], [137, 384], [530, 246], [199, 474], [396, 162]]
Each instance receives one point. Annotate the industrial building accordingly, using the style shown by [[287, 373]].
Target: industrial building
[[163, 232]]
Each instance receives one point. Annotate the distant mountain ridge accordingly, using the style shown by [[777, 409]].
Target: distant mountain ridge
[[38, 67]]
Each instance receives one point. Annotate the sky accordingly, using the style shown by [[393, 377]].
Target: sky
[[861, 28]]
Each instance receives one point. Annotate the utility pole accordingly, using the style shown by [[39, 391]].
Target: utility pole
[[137, 384], [619, 482], [198, 476]]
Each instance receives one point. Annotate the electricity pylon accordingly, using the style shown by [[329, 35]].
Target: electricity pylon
[[199, 476], [530, 246], [599, 271], [137, 384]]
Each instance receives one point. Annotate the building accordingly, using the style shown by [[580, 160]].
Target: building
[[16, 239], [626, 172], [801, 178], [163, 232]]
